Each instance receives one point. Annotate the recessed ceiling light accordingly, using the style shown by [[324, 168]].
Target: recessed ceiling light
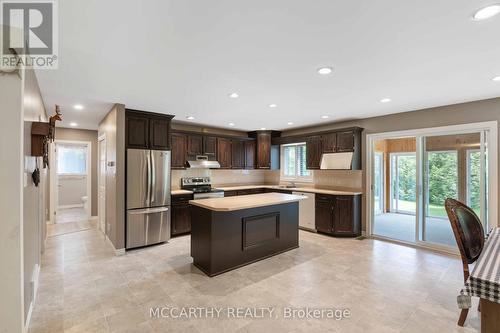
[[190, 118], [73, 124], [325, 70], [290, 123], [78, 107], [233, 95], [231, 124], [496, 78], [385, 100], [273, 105], [325, 117], [486, 12], [262, 128]]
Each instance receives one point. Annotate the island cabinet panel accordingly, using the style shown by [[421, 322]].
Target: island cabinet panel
[[250, 154], [313, 152], [224, 154], [237, 154], [210, 147], [159, 137], [194, 145], [179, 150], [222, 241], [338, 215]]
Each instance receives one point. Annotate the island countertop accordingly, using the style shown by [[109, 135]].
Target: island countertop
[[228, 204]]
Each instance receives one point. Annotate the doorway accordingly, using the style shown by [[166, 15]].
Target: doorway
[[421, 168], [70, 182]]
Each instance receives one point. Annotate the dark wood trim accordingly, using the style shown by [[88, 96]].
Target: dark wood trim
[[302, 137]]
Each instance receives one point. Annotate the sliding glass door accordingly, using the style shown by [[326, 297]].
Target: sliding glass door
[[404, 183], [420, 172]]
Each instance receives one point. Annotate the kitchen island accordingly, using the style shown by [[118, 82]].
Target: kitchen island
[[230, 232]]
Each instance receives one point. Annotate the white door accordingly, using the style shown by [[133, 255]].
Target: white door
[[102, 185]]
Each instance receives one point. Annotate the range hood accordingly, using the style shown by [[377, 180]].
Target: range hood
[[336, 161], [202, 162]]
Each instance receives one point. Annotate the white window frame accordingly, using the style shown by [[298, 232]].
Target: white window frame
[[296, 178]]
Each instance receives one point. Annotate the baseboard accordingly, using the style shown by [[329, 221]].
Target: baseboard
[[35, 281], [70, 206]]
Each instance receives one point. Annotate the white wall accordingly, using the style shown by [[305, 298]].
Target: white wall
[[71, 189]]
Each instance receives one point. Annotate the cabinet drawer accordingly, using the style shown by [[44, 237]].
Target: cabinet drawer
[[181, 198]]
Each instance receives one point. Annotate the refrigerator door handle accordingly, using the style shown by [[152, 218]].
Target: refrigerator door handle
[[148, 192], [153, 179], [148, 211]]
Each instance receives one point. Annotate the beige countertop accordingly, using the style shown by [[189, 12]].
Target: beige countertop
[[228, 204], [178, 192], [295, 189]]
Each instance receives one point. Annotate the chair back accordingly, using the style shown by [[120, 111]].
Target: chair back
[[468, 231]]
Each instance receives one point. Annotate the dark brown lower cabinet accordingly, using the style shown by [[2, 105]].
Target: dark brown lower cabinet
[[338, 215], [180, 215]]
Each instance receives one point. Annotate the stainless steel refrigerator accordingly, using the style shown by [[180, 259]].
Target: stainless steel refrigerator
[[148, 197]]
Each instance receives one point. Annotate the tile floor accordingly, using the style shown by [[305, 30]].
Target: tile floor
[[66, 215], [84, 287]]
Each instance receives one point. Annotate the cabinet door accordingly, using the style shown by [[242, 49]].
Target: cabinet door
[[181, 219], [137, 131], [238, 154], [343, 220], [329, 142], [313, 152], [324, 218], [194, 145], [264, 150], [179, 147], [159, 129], [250, 154], [345, 141], [210, 147], [224, 153]]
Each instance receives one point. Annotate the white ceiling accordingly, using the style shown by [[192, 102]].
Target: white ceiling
[[184, 57]]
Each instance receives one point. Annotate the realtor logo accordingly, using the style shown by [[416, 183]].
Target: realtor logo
[[30, 28]]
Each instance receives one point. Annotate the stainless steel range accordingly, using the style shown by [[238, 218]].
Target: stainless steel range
[[201, 187]]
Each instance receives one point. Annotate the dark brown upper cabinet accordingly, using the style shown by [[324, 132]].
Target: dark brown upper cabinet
[[345, 141], [147, 130], [194, 145], [137, 128], [329, 142], [263, 150], [210, 147], [237, 154], [250, 154], [179, 150], [313, 152], [224, 153], [159, 130]]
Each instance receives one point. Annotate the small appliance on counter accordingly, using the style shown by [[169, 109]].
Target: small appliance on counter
[[201, 187], [148, 197]]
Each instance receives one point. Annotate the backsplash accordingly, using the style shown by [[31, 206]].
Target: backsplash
[[227, 177], [321, 178]]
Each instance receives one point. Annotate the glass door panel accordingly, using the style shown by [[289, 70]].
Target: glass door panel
[[404, 183]]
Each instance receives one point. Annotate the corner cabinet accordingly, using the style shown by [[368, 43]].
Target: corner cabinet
[[338, 215], [147, 130]]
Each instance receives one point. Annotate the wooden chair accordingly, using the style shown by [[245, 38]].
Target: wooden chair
[[469, 234]]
